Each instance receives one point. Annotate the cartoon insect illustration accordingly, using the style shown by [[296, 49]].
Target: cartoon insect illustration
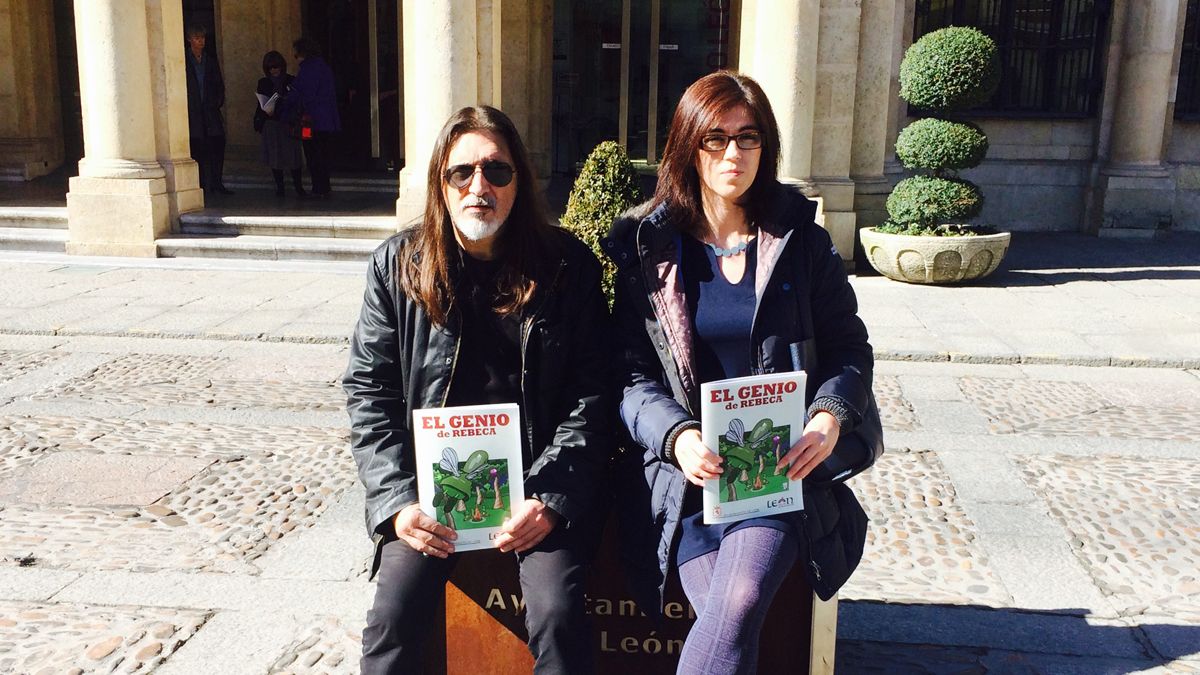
[[746, 451], [476, 471], [451, 488], [738, 457]]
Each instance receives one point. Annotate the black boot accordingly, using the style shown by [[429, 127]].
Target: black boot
[[298, 183], [278, 174]]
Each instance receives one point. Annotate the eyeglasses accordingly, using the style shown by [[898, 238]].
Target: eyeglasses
[[499, 174], [749, 140]]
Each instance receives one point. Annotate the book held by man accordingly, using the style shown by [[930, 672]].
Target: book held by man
[[469, 471], [752, 422]]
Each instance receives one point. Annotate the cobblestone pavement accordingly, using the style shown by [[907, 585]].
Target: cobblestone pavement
[[188, 506]]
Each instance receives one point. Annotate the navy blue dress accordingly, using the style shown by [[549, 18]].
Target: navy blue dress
[[721, 313]]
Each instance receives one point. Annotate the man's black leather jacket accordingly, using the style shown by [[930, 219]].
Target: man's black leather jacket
[[401, 361]]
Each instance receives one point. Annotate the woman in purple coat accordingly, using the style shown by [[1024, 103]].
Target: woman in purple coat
[[315, 98]]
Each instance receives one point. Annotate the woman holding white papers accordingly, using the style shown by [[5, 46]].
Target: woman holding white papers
[[280, 147], [725, 274]]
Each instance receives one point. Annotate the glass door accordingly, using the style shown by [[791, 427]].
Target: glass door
[[620, 66]]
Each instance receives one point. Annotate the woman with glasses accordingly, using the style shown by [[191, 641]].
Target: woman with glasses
[[714, 275], [280, 148]]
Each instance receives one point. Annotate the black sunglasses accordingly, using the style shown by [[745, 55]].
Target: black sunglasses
[[749, 140], [499, 174]]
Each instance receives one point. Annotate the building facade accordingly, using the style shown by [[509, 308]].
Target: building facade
[[1096, 127]]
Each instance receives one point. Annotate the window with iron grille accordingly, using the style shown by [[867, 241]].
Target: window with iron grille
[[1187, 95], [1051, 51]]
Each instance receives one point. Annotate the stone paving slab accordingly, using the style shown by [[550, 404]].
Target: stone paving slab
[[894, 410], [921, 546], [327, 646], [260, 484], [159, 379], [53, 638], [1056, 408], [1135, 525], [14, 364]]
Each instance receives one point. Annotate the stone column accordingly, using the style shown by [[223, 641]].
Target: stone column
[[833, 123], [778, 48], [31, 142], [877, 88], [441, 75], [509, 67], [120, 202], [1135, 190], [805, 56], [169, 85], [526, 89]]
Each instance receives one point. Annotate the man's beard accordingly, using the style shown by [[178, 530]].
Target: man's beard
[[473, 228]]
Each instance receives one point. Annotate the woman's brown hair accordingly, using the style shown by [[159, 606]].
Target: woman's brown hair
[[703, 102], [428, 270]]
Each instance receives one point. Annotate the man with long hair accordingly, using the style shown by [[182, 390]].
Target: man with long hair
[[482, 301]]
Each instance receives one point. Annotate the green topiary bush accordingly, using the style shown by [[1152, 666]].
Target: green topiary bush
[[950, 69], [927, 201], [947, 70], [605, 188], [937, 144]]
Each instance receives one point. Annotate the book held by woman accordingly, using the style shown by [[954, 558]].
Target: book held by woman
[[751, 422]]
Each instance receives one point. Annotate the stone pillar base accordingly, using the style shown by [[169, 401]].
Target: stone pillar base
[[1135, 199], [838, 201], [183, 188], [117, 216], [410, 202]]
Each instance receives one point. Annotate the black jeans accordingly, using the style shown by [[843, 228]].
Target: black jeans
[[410, 586], [316, 153]]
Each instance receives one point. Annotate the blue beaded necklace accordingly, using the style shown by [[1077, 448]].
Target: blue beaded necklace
[[736, 249]]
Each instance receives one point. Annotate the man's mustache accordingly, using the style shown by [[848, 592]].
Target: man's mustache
[[478, 200]]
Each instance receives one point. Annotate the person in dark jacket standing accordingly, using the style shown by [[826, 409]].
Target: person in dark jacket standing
[[206, 96], [483, 301], [711, 274], [280, 148], [315, 103]]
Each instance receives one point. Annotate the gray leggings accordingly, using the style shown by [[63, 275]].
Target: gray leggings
[[731, 589]]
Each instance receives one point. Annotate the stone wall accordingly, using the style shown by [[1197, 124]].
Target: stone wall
[[1183, 156]]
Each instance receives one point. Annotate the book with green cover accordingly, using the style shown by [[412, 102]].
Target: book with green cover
[[469, 471], [751, 422]]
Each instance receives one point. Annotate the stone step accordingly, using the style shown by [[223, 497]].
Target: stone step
[[52, 240], [332, 227], [38, 217], [259, 247], [384, 184]]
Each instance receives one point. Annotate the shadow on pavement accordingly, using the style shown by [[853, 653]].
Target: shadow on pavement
[[898, 638]]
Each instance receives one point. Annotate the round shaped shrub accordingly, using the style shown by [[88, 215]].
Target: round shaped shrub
[[950, 69], [937, 144], [605, 188], [929, 201]]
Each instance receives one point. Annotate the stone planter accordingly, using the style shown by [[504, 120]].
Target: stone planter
[[933, 260]]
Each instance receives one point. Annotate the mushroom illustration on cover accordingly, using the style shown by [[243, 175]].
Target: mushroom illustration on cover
[[469, 471], [751, 422]]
